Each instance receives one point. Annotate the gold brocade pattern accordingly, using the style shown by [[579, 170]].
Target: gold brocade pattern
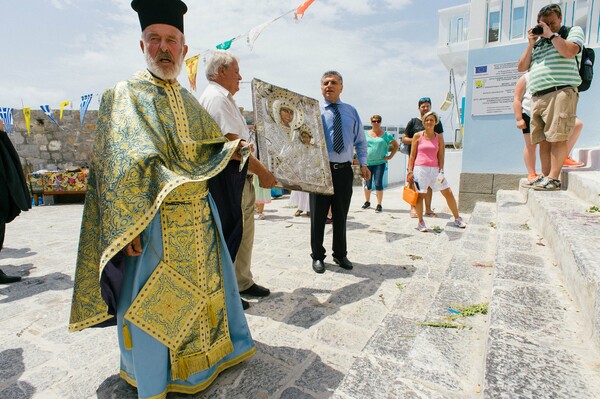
[[151, 137], [181, 306]]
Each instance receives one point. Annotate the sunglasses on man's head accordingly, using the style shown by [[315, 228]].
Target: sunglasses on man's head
[[376, 120], [425, 100]]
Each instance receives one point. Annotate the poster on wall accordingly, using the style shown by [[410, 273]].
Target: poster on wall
[[290, 138], [493, 88]]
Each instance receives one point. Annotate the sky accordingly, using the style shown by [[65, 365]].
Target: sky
[[386, 50]]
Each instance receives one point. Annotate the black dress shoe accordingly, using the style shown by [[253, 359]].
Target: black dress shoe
[[4, 279], [245, 305], [256, 290], [344, 263], [318, 266]]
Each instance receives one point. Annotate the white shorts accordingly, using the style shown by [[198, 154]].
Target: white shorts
[[426, 176]]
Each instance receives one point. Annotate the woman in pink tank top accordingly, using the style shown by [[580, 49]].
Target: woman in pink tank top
[[426, 169]]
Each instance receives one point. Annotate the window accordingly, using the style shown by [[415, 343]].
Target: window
[[581, 16], [493, 26], [517, 24], [457, 30], [494, 20]]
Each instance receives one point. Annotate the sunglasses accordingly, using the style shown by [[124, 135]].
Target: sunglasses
[[424, 100], [375, 120]]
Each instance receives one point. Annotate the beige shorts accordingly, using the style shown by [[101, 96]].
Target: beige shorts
[[553, 115]]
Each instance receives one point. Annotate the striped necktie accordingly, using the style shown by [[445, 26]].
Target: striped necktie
[[338, 138]]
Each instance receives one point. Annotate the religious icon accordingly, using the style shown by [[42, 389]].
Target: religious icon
[[290, 139]]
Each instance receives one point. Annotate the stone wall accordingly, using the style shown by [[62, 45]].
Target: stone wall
[[51, 147], [476, 187]]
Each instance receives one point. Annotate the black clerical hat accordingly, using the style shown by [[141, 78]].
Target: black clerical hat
[[169, 12]]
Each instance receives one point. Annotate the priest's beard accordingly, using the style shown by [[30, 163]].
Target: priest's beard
[[166, 72]]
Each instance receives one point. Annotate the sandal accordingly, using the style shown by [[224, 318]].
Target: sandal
[[431, 214], [298, 213]]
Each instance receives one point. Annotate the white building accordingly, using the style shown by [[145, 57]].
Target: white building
[[481, 41]]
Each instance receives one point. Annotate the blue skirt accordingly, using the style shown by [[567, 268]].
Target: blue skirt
[[146, 365]]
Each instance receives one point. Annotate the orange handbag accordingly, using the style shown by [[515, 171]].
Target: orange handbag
[[410, 195]]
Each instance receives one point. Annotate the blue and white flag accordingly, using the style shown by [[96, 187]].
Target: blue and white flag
[[7, 118], [85, 102], [48, 111]]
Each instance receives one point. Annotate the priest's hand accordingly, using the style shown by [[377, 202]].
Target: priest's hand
[[134, 248]]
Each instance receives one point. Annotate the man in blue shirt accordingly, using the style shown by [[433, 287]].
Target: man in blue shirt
[[341, 141]]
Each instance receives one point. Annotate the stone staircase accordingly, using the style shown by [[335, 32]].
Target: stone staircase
[[545, 310], [417, 352], [534, 257]]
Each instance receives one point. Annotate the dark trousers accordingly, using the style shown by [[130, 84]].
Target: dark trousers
[[340, 204], [2, 232]]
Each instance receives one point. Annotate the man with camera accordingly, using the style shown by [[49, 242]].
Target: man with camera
[[553, 81]]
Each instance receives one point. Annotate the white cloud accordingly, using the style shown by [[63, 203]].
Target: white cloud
[[385, 69], [61, 4]]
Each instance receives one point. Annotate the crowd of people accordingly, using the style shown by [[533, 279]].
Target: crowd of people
[[189, 188]]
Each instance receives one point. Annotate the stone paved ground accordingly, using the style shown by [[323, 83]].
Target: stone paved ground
[[309, 332]]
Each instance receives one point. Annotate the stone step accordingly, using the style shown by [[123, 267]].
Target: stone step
[[539, 343], [590, 156], [572, 231], [585, 185], [405, 359]]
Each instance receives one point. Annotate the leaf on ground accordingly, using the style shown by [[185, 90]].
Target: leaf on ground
[[436, 229], [492, 225], [415, 257], [484, 264], [541, 244]]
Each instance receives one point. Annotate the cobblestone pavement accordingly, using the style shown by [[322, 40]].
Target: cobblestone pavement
[[309, 332]]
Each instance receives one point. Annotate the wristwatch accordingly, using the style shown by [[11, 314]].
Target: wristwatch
[[552, 36]]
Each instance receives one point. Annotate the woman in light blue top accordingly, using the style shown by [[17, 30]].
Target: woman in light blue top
[[379, 144]]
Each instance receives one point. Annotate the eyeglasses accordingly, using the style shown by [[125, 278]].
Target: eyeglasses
[[424, 100], [375, 120]]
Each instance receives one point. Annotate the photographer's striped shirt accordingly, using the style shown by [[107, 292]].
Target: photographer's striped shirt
[[548, 68]]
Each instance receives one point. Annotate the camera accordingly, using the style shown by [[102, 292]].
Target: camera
[[537, 30]]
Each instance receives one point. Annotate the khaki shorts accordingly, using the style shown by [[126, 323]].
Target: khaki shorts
[[553, 115]]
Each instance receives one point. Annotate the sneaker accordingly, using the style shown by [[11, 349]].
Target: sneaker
[[422, 228], [571, 163], [260, 216], [378, 209], [549, 184], [366, 205], [459, 222], [535, 181]]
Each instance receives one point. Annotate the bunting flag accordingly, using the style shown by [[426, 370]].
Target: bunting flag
[[48, 112], [191, 66], [255, 32], [7, 118], [302, 9], [63, 104], [225, 45], [83, 106], [27, 117]]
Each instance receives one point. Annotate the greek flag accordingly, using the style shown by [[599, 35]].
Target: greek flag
[[85, 102], [7, 118], [48, 112]]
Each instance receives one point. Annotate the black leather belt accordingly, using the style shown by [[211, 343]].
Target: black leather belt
[[342, 165], [549, 90]]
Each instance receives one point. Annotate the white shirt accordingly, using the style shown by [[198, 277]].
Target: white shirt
[[219, 103]]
